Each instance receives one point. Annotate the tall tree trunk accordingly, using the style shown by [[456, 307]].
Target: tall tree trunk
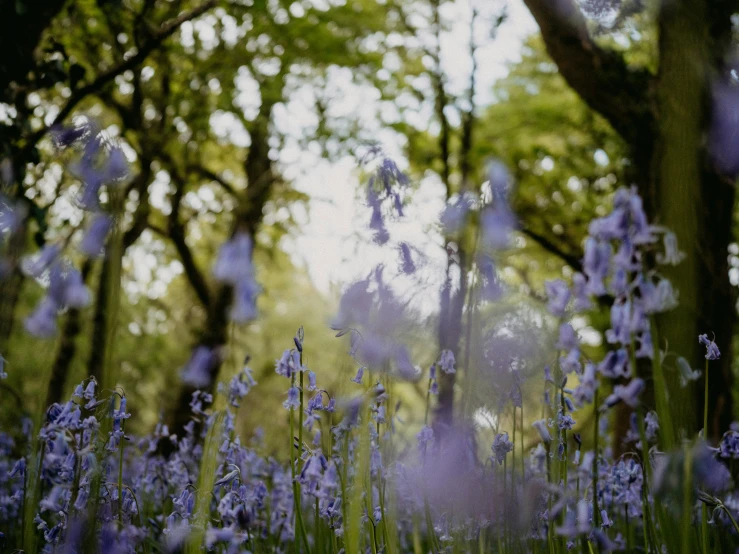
[[248, 217], [10, 287], [664, 120], [697, 205], [99, 336]]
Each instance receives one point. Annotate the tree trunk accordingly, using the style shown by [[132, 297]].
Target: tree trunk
[[249, 214], [664, 120], [697, 205]]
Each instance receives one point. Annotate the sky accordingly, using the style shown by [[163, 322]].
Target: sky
[[333, 241]]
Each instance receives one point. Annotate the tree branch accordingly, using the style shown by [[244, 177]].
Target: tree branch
[[177, 235], [156, 39], [600, 77], [573, 261]]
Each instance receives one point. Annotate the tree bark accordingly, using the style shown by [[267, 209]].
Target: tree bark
[[664, 120]]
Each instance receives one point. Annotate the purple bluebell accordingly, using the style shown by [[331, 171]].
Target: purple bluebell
[[541, 428], [729, 446], [244, 306], [565, 421], [234, 261], [687, 374], [455, 214], [558, 294], [567, 337], [36, 265], [596, 265], [293, 399], [446, 361], [501, 447], [657, 298], [628, 394], [288, 364], [672, 254], [615, 364], [198, 372], [580, 295], [497, 223], [712, 351], [571, 362], [491, 288], [42, 322], [585, 391], [359, 376], [66, 287], [93, 241], [621, 327], [3, 373]]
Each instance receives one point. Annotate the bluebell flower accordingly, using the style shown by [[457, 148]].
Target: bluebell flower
[[628, 394], [501, 447], [567, 337], [404, 366], [244, 306], [729, 446], [710, 474], [651, 426], [646, 347], [288, 364], [446, 361], [42, 322], [712, 351], [671, 255], [659, 298], [687, 374], [565, 421], [596, 265], [66, 287], [615, 364], [359, 376], [93, 241], [496, 225], [455, 213], [490, 289], [234, 261], [36, 265], [199, 369], [585, 391], [621, 323], [424, 437], [558, 294], [580, 295], [541, 428], [571, 362], [3, 374], [293, 399]]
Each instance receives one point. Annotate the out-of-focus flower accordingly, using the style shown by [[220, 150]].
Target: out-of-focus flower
[[541, 428], [628, 394], [558, 294], [501, 447], [198, 372], [93, 241]]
